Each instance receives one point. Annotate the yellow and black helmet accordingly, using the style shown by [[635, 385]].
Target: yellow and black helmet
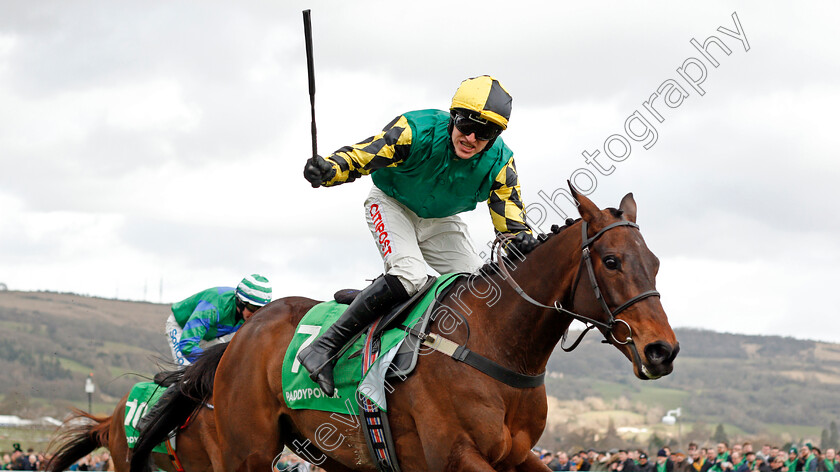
[[486, 97]]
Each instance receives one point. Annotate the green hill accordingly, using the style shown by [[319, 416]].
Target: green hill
[[49, 344], [754, 385], [748, 381]]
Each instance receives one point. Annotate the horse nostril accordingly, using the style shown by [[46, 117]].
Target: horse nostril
[[660, 352], [674, 353]]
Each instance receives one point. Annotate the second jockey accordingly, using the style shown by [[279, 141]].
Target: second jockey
[[212, 316]]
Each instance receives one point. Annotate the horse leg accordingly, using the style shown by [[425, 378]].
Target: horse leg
[[209, 440], [246, 411], [470, 460], [532, 464], [247, 442], [196, 444], [467, 458], [117, 443]]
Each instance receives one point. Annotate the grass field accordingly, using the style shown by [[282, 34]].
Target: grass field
[[619, 418], [35, 438], [596, 416], [13, 326], [656, 396], [646, 394], [100, 408], [796, 433], [73, 366]]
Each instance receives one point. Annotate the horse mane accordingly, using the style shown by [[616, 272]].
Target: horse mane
[[196, 381], [492, 266], [190, 389], [557, 229]]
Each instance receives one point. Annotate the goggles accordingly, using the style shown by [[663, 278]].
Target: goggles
[[471, 124], [246, 306]]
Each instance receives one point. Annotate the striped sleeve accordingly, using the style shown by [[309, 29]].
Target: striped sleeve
[[194, 331], [506, 208], [386, 149]]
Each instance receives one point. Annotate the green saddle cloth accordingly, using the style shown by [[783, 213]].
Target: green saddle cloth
[[140, 400], [300, 392]]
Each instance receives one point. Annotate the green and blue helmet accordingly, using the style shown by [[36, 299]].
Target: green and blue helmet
[[254, 290]]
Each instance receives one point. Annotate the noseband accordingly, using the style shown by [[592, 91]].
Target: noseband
[[586, 260]]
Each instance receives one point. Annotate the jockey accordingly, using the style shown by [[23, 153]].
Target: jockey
[[213, 316], [427, 166]]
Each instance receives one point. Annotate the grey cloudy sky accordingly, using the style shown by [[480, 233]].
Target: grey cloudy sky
[[149, 150]]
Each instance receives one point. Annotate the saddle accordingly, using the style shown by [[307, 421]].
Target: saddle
[[375, 422], [406, 357], [400, 330]]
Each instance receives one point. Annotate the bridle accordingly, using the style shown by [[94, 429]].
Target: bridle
[[586, 261], [461, 353]]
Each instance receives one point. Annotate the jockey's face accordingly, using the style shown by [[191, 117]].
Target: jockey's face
[[466, 146], [245, 310], [248, 311]]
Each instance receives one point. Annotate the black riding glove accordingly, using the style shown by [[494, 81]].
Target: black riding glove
[[524, 242], [317, 171]]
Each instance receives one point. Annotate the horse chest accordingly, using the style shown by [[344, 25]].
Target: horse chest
[[505, 435], [510, 448]]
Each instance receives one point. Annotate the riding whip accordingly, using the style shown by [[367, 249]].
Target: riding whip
[[310, 66]]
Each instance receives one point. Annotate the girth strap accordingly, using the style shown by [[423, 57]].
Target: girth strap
[[170, 451], [479, 362], [375, 421]]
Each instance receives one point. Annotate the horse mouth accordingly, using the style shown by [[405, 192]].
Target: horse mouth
[[660, 360], [648, 375]]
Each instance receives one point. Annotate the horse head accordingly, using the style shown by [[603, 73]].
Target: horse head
[[617, 287]]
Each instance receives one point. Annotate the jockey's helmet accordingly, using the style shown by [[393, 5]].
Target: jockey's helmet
[[254, 290], [483, 99]]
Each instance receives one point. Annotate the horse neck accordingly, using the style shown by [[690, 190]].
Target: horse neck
[[509, 329]]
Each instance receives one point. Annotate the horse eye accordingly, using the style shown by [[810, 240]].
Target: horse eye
[[611, 262]]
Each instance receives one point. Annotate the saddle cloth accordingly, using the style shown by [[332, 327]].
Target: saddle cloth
[[140, 400], [300, 392]]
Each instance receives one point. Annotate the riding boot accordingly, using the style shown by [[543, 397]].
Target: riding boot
[[381, 295]]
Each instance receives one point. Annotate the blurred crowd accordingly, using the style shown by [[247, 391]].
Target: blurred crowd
[[19, 459], [718, 458]]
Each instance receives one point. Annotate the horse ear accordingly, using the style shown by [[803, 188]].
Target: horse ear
[[628, 206], [588, 211]]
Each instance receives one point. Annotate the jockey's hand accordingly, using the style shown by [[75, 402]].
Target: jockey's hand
[[317, 171], [524, 242]]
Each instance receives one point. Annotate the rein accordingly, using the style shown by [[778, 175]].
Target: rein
[[518, 380], [586, 260]]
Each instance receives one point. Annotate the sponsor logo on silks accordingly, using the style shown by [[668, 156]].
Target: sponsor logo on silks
[[307, 393], [173, 338], [379, 227]]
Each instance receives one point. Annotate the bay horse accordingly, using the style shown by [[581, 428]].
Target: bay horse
[[196, 448], [448, 415]]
